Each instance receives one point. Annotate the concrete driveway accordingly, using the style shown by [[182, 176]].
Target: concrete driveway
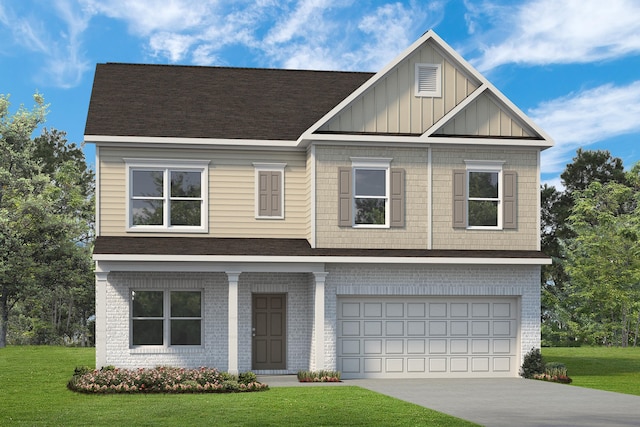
[[502, 402]]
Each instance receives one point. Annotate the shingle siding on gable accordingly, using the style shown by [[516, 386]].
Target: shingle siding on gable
[[413, 235], [525, 234]]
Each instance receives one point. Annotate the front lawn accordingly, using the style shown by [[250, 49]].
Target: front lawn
[[33, 392], [603, 368]]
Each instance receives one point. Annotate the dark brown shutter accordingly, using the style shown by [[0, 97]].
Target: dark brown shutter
[[459, 198], [345, 217], [397, 198], [509, 192]]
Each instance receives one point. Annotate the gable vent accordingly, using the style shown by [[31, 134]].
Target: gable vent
[[428, 80]]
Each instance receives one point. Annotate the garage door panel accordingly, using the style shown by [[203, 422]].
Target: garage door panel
[[394, 309], [373, 310], [427, 336]]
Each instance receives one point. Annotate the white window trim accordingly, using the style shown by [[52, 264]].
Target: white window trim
[[437, 92], [166, 319], [270, 167], [201, 166], [372, 163], [491, 166]]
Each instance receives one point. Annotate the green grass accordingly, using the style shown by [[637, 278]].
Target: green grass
[[33, 392], [603, 368]]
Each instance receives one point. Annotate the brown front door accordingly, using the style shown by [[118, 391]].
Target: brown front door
[[269, 341]]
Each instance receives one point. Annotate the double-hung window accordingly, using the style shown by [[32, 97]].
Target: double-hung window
[[165, 196], [166, 318], [484, 196], [371, 194]]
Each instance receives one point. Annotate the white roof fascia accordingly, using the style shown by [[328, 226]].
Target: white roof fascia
[[320, 259], [308, 134], [413, 141], [159, 140], [492, 89]]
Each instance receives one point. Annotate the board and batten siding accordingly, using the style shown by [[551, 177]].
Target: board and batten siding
[[231, 192], [330, 235], [521, 160], [485, 117], [390, 105]]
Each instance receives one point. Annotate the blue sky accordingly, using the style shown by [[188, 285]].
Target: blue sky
[[572, 65]]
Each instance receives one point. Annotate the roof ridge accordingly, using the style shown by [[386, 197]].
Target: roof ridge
[[225, 67]]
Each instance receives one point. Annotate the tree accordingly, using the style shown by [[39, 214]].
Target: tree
[[603, 260], [559, 323], [43, 210]]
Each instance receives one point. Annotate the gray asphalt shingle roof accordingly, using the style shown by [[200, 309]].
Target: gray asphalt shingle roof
[[213, 102]]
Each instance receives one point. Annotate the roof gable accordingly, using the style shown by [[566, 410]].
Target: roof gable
[[212, 102], [387, 104], [390, 105]]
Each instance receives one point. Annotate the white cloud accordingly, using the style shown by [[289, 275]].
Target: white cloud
[[301, 23], [145, 17], [551, 31], [55, 38], [171, 45], [586, 117]]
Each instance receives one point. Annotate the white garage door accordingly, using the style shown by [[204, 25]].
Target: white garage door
[[427, 337]]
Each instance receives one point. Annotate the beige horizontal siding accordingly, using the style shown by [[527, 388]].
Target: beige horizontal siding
[[524, 237], [390, 106], [231, 192]]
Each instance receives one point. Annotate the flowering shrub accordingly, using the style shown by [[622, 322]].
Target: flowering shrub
[[319, 376], [162, 380], [555, 372]]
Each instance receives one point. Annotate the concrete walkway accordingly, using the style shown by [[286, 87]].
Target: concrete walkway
[[502, 402]]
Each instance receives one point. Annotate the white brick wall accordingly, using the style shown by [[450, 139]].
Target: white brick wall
[[343, 279], [214, 352], [215, 294]]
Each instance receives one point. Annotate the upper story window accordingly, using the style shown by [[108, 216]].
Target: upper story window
[[269, 190], [166, 318], [167, 196], [484, 196], [371, 194]]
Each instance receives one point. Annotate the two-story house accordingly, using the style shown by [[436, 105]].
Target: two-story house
[[382, 225]]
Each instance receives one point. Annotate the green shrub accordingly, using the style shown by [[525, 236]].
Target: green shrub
[[533, 364], [318, 376], [247, 378], [555, 369], [81, 370]]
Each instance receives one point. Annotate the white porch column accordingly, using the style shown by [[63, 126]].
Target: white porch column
[[318, 320], [101, 318], [233, 277]]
